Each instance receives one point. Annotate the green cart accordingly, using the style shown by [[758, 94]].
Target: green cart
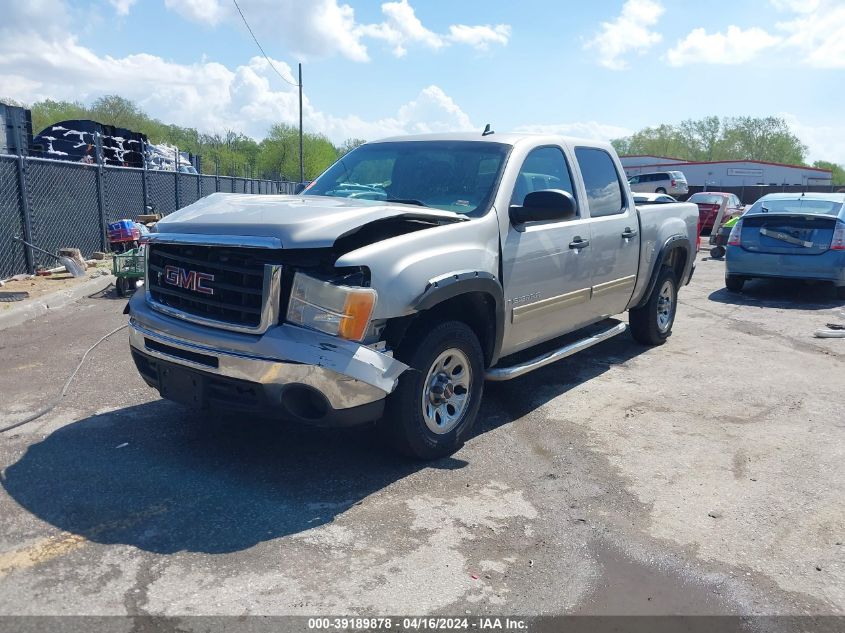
[[129, 268]]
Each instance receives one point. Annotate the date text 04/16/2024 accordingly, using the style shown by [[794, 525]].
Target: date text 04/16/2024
[[417, 624]]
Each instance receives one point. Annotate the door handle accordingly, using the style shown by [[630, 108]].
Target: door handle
[[579, 243], [629, 233]]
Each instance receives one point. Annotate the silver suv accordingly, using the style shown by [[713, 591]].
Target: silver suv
[[672, 182]]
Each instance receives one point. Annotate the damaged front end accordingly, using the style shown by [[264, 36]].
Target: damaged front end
[[253, 327]]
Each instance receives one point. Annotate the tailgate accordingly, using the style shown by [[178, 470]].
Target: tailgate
[[787, 234]]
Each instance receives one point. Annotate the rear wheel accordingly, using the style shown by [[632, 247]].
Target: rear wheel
[[717, 252], [734, 283], [652, 323], [840, 292], [660, 190], [435, 404]]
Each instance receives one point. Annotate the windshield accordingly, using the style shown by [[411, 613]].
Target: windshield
[[796, 205], [704, 198], [457, 176]]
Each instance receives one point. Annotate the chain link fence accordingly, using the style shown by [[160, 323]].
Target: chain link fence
[[56, 204]]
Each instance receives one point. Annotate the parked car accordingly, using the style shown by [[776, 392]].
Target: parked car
[[653, 198], [406, 275], [671, 182], [709, 203], [798, 236]]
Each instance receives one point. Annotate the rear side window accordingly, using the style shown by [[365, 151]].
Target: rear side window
[[544, 168], [604, 193]]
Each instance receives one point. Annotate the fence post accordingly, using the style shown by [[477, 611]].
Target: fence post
[[146, 201], [199, 185], [26, 219], [176, 176], [216, 174], [102, 207]]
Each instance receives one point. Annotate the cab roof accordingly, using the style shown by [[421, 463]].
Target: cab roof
[[505, 138]]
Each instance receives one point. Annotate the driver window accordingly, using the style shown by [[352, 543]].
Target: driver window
[[544, 168]]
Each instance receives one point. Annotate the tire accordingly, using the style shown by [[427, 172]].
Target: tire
[[734, 283], [717, 252], [652, 323], [840, 292], [121, 285], [421, 417], [660, 190]]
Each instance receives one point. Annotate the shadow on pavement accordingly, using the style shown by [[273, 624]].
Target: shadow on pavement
[[789, 294], [165, 479]]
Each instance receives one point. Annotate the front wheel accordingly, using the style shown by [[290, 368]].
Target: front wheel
[[652, 323], [717, 252], [435, 404]]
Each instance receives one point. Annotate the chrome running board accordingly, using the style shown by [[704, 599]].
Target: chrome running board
[[514, 371]]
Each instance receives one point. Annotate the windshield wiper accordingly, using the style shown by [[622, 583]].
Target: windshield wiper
[[406, 201]]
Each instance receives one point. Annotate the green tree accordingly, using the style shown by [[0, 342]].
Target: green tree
[[768, 139], [837, 171], [712, 138], [349, 144]]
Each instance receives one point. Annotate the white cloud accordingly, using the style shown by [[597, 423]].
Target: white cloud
[[735, 46], [122, 7], [824, 142], [48, 62], [629, 32], [583, 129], [322, 28], [401, 27], [813, 35], [480, 37], [204, 11], [818, 35]]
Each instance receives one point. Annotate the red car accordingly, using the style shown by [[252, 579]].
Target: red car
[[709, 203]]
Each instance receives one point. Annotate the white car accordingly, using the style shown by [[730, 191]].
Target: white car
[[671, 182], [653, 198]]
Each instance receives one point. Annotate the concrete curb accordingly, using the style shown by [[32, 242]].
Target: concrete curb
[[26, 310]]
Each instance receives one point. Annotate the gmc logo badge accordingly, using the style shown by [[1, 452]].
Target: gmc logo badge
[[188, 279]]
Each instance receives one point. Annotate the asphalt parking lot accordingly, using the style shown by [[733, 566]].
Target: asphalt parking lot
[[703, 476]]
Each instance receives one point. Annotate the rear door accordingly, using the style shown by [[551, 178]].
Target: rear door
[[546, 265], [615, 232]]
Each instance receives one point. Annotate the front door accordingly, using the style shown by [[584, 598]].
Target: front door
[[546, 265], [615, 233]]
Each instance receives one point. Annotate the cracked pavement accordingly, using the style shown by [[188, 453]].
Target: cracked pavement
[[703, 476]]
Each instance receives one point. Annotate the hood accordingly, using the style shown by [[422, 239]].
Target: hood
[[298, 221]]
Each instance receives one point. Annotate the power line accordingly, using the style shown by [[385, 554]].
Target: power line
[[258, 44]]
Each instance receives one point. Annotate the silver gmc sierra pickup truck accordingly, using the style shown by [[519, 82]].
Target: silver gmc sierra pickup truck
[[409, 273]]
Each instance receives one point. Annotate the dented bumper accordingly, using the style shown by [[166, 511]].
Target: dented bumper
[[279, 362]]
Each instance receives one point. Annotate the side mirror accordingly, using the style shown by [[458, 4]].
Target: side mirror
[[546, 205]]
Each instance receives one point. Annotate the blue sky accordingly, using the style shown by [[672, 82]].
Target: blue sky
[[377, 68]]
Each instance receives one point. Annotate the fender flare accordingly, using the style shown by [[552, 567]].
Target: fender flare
[[676, 241], [445, 287]]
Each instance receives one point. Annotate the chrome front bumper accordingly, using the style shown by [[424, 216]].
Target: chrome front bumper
[[348, 374]]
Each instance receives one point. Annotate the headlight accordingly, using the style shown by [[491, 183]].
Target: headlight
[[343, 311]]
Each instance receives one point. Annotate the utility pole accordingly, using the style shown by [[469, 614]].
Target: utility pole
[[301, 162]]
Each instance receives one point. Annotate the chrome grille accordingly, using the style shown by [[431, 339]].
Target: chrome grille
[[228, 287]]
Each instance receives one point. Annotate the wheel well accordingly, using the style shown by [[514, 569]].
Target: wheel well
[[676, 259], [476, 309]]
